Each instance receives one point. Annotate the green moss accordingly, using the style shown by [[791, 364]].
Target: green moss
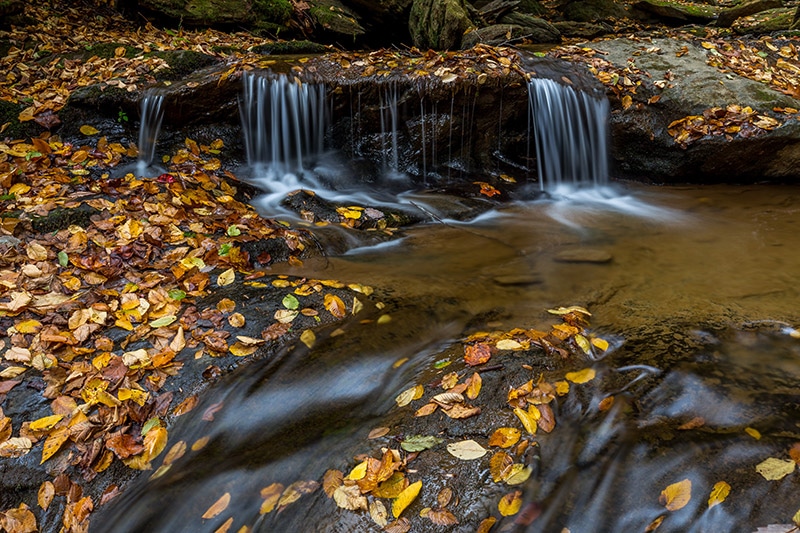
[[334, 17], [275, 11], [182, 63], [109, 50], [5, 46], [767, 21], [9, 113], [694, 10], [289, 47], [61, 218]]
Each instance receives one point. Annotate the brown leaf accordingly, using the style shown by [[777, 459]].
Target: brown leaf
[[500, 466], [460, 410], [123, 445], [271, 495], [218, 506], [401, 525], [46, 493], [547, 422], [331, 481], [477, 354], [442, 517]]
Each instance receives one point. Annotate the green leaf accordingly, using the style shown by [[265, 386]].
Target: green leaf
[[441, 363], [233, 231], [225, 249], [290, 302], [417, 443], [163, 321], [150, 424], [63, 258], [177, 294]]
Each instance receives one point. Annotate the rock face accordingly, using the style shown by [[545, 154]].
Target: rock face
[[728, 16], [438, 24], [643, 149]]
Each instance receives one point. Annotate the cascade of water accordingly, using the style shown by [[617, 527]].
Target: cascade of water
[[389, 123], [152, 112], [283, 121], [570, 134]]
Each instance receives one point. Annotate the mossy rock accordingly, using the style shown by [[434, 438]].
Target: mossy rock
[[9, 114], [531, 7], [593, 10], [275, 11], [677, 12], [109, 50], [334, 18], [182, 63], [289, 47], [768, 21], [61, 218], [438, 24], [202, 12]]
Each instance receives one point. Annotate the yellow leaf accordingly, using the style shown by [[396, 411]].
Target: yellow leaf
[[89, 130], [508, 344], [28, 326], [154, 442], [358, 471], [519, 474], [627, 101], [510, 504], [527, 420], [773, 469], [404, 499], [271, 495], [226, 278], [500, 466], [753, 433], [718, 493], [474, 386], [581, 376], [46, 493], [487, 523], [308, 338], [240, 349], [600, 343], [46, 422], [408, 395], [505, 437], [54, 442], [677, 495], [583, 343], [218, 506], [335, 305]]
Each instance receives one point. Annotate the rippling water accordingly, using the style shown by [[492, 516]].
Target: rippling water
[[696, 288]]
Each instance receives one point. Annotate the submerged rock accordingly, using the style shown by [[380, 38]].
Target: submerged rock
[[583, 255]]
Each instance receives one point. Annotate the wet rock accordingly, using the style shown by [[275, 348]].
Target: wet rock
[[517, 279], [438, 24], [769, 21], [335, 20], [728, 16], [537, 30], [593, 10], [675, 13], [583, 255], [584, 30]]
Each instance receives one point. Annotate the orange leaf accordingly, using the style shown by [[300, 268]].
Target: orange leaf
[[505, 437], [510, 504], [335, 305], [218, 506], [477, 354]]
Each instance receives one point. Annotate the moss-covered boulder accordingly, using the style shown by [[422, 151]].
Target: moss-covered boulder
[[537, 30], [216, 12], [334, 21], [593, 10], [769, 21], [676, 13], [438, 24]]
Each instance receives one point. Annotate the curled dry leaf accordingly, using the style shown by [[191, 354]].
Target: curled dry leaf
[[477, 354], [442, 517], [349, 497]]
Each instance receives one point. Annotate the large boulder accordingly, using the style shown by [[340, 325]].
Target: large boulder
[[438, 24], [212, 12], [643, 147], [593, 10]]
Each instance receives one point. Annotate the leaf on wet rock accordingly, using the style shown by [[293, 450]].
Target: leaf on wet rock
[[218, 506], [47, 492], [378, 432], [518, 474], [271, 494], [528, 420], [45, 423], [226, 278], [510, 504], [442, 517], [54, 442], [508, 344], [331, 480], [378, 513], [291, 302], [15, 447], [474, 384], [418, 443], [505, 437], [444, 497], [89, 130], [581, 376], [477, 354], [466, 450], [677, 495], [427, 409], [773, 469], [500, 466], [409, 395], [718, 494], [284, 316], [334, 305], [405, 498], [547, 420], [460, 410], [401, 525], [349, 497], [486, 524]]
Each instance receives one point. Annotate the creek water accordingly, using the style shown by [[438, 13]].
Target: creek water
[[696, 288]]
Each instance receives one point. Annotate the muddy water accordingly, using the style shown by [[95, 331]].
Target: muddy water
[[696, 288]]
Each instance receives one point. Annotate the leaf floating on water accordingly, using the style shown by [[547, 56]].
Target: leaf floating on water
[[308, 338], [271, 495], [477, 354], [510, 504], [655, 524], [600, 344], [409, 395], [583, 343], [505, 437], [581, 376], [218, 506], [718, 493], [466, 450], [773, 469], [405, 498], [753, 433], [677, 495], [567, 310], [418, 443]]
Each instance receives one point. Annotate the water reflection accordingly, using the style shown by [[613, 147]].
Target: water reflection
[[699, 302]]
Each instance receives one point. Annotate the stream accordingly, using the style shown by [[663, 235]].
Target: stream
[[695, 288]]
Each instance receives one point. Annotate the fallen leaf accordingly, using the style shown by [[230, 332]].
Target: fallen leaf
[[378, 513], [405, 498], [477, 354], [271, 494], [46, 493], [466, 450], [510, 504], [718, 493], [349, 497], [89, 130], [500, 466], [677, 495], [774, 469], [335, 305], [528, 421], [418, 443], [486, 524], [442, 517], [518, 474], [505, 437], [474, 386], [408, 395], [581, 376], [218, 506], [226, 278]]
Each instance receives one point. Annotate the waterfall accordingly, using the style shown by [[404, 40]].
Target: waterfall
[[570, 133], [283, 121], [152, 112]]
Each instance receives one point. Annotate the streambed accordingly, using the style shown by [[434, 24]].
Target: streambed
[[695, 289]]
